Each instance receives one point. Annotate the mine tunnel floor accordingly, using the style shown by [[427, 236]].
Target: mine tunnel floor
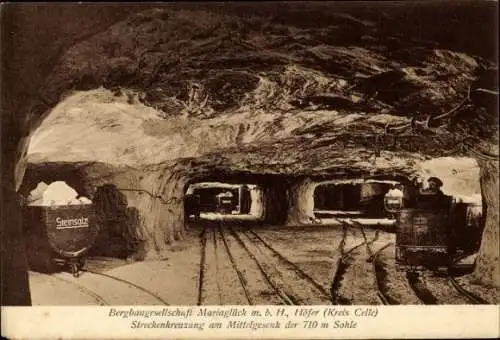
[[236, 262]]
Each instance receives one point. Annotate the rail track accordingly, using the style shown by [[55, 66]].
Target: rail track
[[377, 266], [473, 298], [201, 276], [209, 277], [341, 267], [268, 271], [217, 266], [263, 272], [130, 284], [290, 265], [209, 291], [241, 278], [419, 288], [99, 299], [304, 290]]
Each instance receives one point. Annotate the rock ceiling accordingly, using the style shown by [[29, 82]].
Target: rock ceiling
[[269, 93]]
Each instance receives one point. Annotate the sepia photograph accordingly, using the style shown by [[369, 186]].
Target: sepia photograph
[[250, 154]]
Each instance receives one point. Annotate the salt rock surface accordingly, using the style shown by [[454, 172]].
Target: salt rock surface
[[85, 200], [58, 193], [225, 194], [74, 201], [36, 202], [394, 193], [36, 195]]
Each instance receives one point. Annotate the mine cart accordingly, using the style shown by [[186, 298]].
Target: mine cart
[[225, 203], [59, 235], [423, 239]]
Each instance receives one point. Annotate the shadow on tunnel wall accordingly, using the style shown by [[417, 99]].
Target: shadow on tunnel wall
[[118, 224]]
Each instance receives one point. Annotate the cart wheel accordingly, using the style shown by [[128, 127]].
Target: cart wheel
[[75, 270]]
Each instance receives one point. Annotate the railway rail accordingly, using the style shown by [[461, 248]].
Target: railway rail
[[341, 266], [473, 298], [378, 267], [99, 299], [262, 273], [130, 284], [305, 289], [267, 271], [201, 276], [236, 268], [290, 265], [261, 269], [419, 288]]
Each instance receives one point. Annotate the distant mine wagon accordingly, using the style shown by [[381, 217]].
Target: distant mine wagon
[[424, 237], [59, 236], [225, 203]]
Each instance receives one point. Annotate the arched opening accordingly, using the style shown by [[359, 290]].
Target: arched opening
[[355, 198], [223, 201]]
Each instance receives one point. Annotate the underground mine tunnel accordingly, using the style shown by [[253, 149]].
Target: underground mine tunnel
[[134, 123], [257, 198], [224, 198]]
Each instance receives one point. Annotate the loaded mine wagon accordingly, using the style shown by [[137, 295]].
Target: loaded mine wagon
[[59, 235], [433, 231], [226, 202]]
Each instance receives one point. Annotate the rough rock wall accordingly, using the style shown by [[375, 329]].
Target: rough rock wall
[[300, 197], [487, 270], [257, 204], [23, 38], [158, 197]]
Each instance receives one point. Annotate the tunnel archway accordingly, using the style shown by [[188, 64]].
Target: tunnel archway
[[360, 198], [19, 99], [229, 201]]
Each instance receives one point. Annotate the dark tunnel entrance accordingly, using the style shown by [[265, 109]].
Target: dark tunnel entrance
[[352, 198], [223, 201]]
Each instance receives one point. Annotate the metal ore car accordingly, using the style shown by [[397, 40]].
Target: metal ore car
[[59, 236], [225, 203], [424, 238]]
